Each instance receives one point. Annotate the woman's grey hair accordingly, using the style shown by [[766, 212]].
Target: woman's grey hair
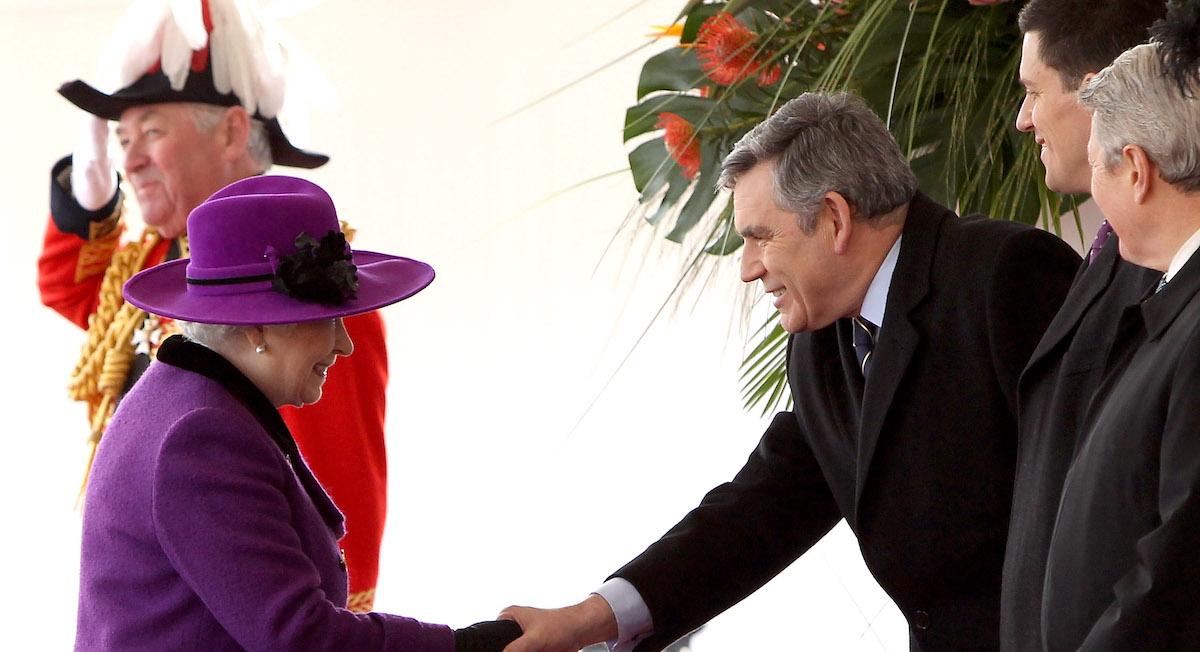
[[823, 142], [212, 336], [206, 118], [1134, 102]]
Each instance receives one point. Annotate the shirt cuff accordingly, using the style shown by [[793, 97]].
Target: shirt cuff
[[632, 614]]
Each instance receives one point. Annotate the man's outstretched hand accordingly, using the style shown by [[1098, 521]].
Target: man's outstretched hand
[[566, 629]]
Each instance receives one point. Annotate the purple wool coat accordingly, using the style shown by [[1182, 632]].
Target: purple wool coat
[[204, 530]]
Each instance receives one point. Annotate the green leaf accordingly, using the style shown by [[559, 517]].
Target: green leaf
[[688, 8], [676, 69], [696, 18], [646, 162], [676, 185], [641, 118], [764, 377], [724, 240], [703, 195]]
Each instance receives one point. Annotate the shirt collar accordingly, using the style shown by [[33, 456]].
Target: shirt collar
[[875, 302], [1183, 255]]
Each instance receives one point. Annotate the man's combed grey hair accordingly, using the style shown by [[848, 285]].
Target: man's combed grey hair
[[207, 116], [1133, 102], [826, 142]]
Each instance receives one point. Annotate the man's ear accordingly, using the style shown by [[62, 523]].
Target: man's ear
[[836, 210], [1142, 172], [1084, 82], [234, 131]]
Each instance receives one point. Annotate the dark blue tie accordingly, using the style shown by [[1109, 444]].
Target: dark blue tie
[[864, 342]]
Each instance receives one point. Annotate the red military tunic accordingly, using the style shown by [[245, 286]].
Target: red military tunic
[[341, 436]]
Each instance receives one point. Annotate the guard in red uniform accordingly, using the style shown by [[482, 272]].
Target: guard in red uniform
[[196, 92]]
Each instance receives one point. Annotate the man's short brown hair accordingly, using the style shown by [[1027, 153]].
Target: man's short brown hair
[[1081, 36]]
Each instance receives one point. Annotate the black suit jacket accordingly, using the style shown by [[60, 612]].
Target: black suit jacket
[[1054, 392], [1123, 571], [920, 467]]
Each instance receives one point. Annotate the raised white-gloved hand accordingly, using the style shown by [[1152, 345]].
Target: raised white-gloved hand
[[93, 178]]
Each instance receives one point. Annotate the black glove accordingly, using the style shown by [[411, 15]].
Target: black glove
[[488, 636]]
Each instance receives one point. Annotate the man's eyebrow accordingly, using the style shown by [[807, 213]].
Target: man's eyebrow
[[150, 113], [754, 232]]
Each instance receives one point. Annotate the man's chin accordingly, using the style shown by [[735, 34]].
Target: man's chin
[[791, 326], [167, 228], [1056, 184]]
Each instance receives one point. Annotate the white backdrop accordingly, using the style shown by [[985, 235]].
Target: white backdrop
[[496, 496]]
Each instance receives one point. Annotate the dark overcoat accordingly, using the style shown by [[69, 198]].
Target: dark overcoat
[[1123, 568], [919, 462], [1055, 391]]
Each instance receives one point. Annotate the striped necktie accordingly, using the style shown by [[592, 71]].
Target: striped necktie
[[1162, 283], [864, 342]]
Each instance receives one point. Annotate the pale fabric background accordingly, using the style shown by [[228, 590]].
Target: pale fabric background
[[495, 496]]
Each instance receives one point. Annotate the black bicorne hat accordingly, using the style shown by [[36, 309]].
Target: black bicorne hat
[[154, 87]]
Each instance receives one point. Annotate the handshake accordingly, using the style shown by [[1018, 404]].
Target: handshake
[[487, 636], [541, 630]]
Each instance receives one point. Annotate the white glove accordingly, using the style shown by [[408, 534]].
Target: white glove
[[93, 178]]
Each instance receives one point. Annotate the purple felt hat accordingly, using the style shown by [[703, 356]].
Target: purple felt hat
[[269, 250]]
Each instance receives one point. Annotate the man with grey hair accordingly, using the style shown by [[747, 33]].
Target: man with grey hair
[[193, 116], [1122, 570], [909, 328], [1064, 43]]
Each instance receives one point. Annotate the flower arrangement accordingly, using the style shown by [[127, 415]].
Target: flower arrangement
[[942, 74]]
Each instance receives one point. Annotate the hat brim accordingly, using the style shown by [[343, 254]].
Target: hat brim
[[382, 280], [156, 89]]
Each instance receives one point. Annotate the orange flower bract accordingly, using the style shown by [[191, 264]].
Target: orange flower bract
[[726, 48], [680, 138]]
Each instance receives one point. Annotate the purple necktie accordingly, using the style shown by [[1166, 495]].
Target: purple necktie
[[1102, 234]]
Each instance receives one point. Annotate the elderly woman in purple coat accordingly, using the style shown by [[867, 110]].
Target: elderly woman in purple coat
[[203, 527]]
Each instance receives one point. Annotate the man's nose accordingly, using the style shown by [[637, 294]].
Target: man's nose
[[135, 155], [752, 268], [1025, 116]]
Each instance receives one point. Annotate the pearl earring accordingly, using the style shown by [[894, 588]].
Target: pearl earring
[[260, 349]]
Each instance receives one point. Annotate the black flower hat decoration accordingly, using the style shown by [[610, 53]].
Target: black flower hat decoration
[[320, 271]]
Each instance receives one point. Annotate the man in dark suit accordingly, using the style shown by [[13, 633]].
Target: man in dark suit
[[1123, 569], [1066, 42], [910, 327]]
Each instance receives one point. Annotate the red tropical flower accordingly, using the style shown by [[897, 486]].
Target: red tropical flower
[[726, 50], [680, 139], [769, 74]]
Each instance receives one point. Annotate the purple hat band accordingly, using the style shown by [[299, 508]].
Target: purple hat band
[[269, 250]]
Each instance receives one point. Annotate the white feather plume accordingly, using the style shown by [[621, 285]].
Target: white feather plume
[[134, 46], [247, 58], [189, 17]]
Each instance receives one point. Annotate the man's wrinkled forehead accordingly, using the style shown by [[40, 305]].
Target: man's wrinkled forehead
[[136, 115]]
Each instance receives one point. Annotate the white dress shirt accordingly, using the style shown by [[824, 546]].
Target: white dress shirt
[[1183, 255], [633, 616]]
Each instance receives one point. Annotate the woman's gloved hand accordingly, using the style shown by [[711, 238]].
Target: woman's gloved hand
[[487, 636]]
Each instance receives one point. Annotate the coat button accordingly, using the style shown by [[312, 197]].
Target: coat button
[[920, 620], [342, 560]]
